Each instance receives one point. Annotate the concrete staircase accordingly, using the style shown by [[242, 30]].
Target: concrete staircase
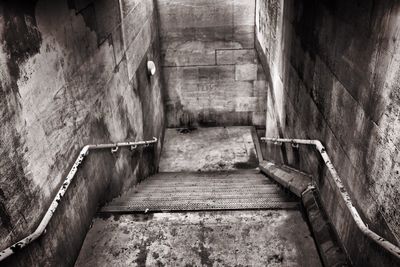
[[232, 190], [210, 206]]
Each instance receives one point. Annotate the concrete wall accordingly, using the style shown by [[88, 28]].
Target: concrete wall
[[333, 74], [72, 73], [211, 69]]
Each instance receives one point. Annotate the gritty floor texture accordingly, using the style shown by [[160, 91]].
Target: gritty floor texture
[[218, 238], [208, 149]]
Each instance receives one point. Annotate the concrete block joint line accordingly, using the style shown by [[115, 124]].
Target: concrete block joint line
[[41, 229], [382, 242]]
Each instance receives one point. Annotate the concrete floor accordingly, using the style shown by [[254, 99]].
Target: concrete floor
[[223, 238], [208, 149]]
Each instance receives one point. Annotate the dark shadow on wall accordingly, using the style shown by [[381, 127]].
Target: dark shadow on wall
[[95, 13], [20, 40], [336, 89], [340, 40]]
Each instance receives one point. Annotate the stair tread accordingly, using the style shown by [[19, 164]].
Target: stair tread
[[209, 185], [196, 190], [123, 201], [201, 206], [205, 179], [203, 194], [209, 173]]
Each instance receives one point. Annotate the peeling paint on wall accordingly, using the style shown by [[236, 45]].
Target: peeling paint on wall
[[60, 89]]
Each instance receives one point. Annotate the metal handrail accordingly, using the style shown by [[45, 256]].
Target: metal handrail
[[391, 248], [49, 214]]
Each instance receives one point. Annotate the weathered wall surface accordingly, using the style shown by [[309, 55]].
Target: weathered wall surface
[[333, 74], [72, 73], [211, 69]]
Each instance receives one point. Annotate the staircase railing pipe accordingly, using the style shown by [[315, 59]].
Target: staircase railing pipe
[[67, 181]]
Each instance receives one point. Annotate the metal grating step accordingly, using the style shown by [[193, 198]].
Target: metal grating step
[[206, 175], [206, 182], [192, 206], [210, 185], [203, 191], [198, 198], [203, 195]]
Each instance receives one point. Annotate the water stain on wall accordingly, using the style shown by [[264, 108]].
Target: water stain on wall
[[20, 40], [60, 90], [21, 37]]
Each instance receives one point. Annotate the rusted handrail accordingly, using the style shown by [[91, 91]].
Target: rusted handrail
[[49, 214], [343, 192]]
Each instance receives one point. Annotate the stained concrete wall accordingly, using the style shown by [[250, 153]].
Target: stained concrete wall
[[212, 73], [333, 74], [72, 73]]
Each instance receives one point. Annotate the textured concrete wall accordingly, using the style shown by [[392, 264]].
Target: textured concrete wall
[[72, 73], [211, 69], [333, 74]]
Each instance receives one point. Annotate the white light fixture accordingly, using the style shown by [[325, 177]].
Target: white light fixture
[[151, 68]]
